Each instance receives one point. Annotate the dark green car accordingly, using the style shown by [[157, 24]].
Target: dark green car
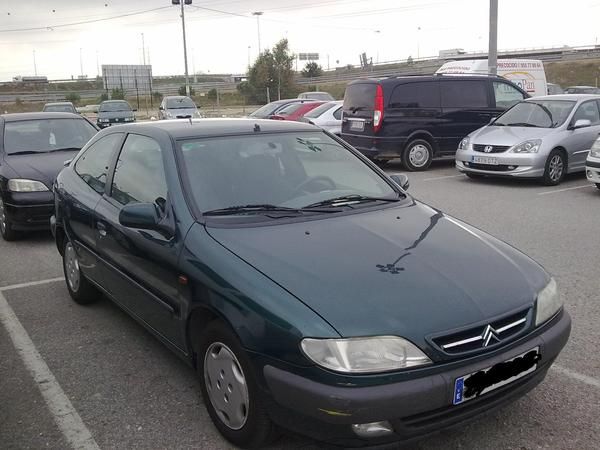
[[307, 288]]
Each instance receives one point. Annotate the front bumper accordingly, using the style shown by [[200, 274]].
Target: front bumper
[[523, 165], [415, 407], [29, 211], [592, 169]]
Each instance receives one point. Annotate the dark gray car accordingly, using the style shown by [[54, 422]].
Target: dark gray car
[[114, 112]]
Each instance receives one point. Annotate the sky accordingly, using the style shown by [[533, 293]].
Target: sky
[[222, 35]]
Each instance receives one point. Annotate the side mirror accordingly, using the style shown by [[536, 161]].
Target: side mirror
[[401, 180], [581, 123], [140, 215], [161, 108], [134, 109]]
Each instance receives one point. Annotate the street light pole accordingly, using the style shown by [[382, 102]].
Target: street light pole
[[143, 50], [258, 14], [34, 64], [81, 61], [187, 76], [493, 42], [418, 43]]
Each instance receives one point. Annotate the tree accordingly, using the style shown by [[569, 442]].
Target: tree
[[117, 94], [182, 90], [73, 97], [312, 69], [273, 70], [157, 96], [103, 97], [212, 94]]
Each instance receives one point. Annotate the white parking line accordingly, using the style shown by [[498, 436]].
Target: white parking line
[[30, 283], [66, 417], [577, 376], [443, 178], [565, 189]]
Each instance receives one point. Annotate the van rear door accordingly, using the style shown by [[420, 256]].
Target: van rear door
[[359, 104]]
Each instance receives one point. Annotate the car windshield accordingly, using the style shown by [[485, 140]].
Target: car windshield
[[46, 135], [114, 106], [319, 110], [283, 170], [180, 103], [537, 113], [267, 110], [58, 108]]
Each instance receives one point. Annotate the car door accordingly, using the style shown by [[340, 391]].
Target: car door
[[140, 266], [579, 141], [466, 106], [80, 194]]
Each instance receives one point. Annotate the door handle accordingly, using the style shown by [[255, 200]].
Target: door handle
[[101, 229]]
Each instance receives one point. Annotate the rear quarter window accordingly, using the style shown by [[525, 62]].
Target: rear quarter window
[[360, 95]]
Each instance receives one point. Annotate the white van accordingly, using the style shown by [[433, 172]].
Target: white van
[[528, 74]]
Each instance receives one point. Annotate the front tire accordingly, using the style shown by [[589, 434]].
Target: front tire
[[6, 229], [417, 155], [231, 394], [555, 169], [80, 289], [598, 185]]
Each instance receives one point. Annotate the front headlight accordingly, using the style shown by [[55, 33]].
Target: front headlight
[[595, 151], [364, 355], [531, 146], [548, 303], [464, 144], [18, 185]]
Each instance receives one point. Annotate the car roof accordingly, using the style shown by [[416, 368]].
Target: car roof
[[401, 78], [114, 101], [15, 117], [198, 128], [315, 92], [176, 96], [59, 104], [571, 97]]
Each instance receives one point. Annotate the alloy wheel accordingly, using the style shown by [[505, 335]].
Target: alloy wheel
[[72, 267], [556, 168], [226, 385], [2, 217]]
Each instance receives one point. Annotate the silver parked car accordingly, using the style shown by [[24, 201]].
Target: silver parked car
[[327, 116], [315, 95], [592, 165], [178, 107], [542, 137]]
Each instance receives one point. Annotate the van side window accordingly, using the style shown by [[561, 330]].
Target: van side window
[[506, 95], [416, 95], [464, 94]]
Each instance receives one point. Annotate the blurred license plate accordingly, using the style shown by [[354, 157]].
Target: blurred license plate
[[475, 384], [357, 125], [485, 160]]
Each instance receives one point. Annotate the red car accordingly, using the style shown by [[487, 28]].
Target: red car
[[295, 111]]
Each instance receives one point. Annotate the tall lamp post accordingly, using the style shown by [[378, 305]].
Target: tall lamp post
[[258, 14], [187, 77]]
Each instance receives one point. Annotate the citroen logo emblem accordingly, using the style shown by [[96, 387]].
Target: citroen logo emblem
[[488, 148], [488, 334]]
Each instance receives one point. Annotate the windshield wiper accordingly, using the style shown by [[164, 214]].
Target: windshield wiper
[[28, 152], [357, 108], [262, 208], [522, 124], [353, 198], [66, 149]]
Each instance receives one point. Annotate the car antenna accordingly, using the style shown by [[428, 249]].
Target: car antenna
[[256, 128]]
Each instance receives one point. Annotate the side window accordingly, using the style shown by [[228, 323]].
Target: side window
[[93, 165], [506, 95], [337, 114], [589, 111], [416, 95], [139, 174], [464, 94]]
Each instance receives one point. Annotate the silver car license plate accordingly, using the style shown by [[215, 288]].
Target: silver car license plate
[[483, 381], [357, 125], [485, 160]]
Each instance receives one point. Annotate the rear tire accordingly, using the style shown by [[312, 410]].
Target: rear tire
[[598, 185], [223, 361], [6, 229], [80, 289], [417, 155], [555, 169]]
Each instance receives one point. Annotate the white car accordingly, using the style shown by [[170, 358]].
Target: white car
[[327, 116], [592, 164]]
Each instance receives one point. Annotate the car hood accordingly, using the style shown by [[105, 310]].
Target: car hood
[[42, 167], [115, 114], [182, 111], [494, 135], [407, 270]]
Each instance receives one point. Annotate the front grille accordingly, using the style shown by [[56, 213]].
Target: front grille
[[482, 336], [490, 167], [495, 148]]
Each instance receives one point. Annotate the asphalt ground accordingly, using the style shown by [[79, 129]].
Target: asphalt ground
[[114, 381]]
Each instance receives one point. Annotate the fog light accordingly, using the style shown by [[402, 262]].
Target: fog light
[[511, 167], [590, 174], [373, 429]]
